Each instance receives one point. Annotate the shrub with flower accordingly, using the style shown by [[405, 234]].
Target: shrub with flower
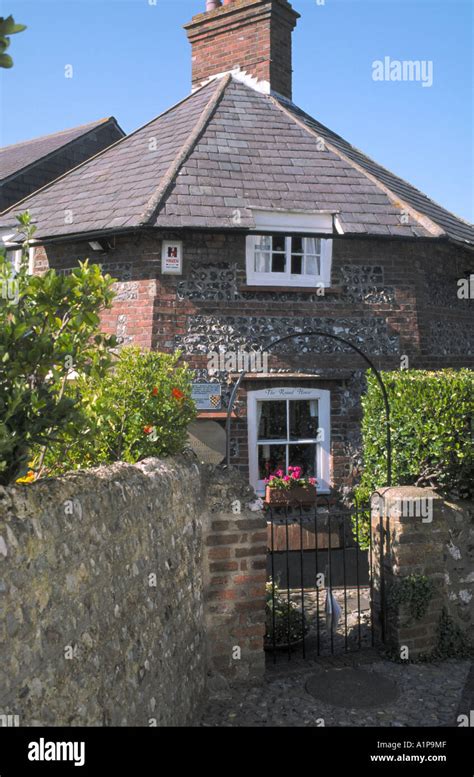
[[141, 407], [291, 479]]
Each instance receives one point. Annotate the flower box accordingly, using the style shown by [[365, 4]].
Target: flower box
[[305, 495]]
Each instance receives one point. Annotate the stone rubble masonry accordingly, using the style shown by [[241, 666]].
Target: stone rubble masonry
[[124, 590], [442, 550]]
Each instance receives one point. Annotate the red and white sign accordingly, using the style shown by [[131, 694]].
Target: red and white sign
[[172, 257]]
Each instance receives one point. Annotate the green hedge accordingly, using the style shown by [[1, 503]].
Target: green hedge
[[432, 431]]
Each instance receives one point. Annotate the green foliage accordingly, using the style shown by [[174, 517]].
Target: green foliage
[[290, 625], [415, 591], [141, 408], [452, 641], [49, 329], [432, 431], [7, 28]]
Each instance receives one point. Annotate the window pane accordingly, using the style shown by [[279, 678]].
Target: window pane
[[303, 456], [312, 265], [312, 245], [278, 242], [262, 261], [271, 418], [304, 419], [297, 245], [296, 264], [270, 459], [263, 242], [278, 263]]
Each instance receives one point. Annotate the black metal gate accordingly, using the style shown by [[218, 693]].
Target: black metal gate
[[320, 588]]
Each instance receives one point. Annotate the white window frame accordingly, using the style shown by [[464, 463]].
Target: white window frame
[[291, 223], [287, 278], [323, 449], [15, 255]]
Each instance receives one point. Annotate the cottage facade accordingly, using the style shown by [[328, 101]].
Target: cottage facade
[[234, 219]]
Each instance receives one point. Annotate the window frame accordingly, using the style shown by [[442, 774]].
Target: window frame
[[323, 448], [287, 278], [14, 253]]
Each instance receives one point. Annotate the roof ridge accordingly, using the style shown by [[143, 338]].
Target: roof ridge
[[99, 153], [59, 132], [92, 127], [424, 221], [186, 149]]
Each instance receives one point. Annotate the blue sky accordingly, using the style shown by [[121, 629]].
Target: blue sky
[[131, 59]]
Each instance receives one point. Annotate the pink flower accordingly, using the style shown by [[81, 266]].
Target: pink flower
[[279, 473], [286, 478]]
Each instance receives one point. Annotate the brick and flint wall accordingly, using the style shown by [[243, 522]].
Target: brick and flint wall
[[125, 591], [397, 300]]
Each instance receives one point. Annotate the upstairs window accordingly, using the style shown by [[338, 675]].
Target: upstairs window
[[293, 260], [287, 252]]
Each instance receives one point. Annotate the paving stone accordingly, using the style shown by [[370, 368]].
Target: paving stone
[[427, 695]]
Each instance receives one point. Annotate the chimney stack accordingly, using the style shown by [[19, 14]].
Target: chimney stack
[[252, 35]]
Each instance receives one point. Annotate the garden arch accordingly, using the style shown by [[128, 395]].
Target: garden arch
[[319, 333]]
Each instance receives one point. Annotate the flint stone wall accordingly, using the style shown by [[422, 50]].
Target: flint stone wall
[[105, 593]]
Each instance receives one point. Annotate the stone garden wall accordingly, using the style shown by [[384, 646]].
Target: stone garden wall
[[426, 540], [125, 590]]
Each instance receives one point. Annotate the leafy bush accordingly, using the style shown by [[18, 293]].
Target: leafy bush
[[432, 431], [416, 591], [140, 408], [49, 329]]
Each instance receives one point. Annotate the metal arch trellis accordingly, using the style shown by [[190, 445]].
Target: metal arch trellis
[[318, 333]]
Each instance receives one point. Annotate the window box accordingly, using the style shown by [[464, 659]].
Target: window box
[[297, 495]]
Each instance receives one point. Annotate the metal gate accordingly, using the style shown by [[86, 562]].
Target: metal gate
[[320, 580]]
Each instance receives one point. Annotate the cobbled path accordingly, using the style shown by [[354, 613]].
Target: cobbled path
[[428, 695]]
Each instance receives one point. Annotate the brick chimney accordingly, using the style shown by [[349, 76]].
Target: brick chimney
[[251, 35]]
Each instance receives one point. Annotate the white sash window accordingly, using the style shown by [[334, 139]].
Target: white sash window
[[289, 427], [288, 251]]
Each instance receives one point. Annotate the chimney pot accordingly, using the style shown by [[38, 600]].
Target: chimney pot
[[211, 5]]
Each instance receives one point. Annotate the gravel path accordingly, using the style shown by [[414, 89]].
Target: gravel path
[[428, 695]]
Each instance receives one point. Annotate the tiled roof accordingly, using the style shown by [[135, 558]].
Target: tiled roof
[[15, 158], [218, 155], [452, 225]]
